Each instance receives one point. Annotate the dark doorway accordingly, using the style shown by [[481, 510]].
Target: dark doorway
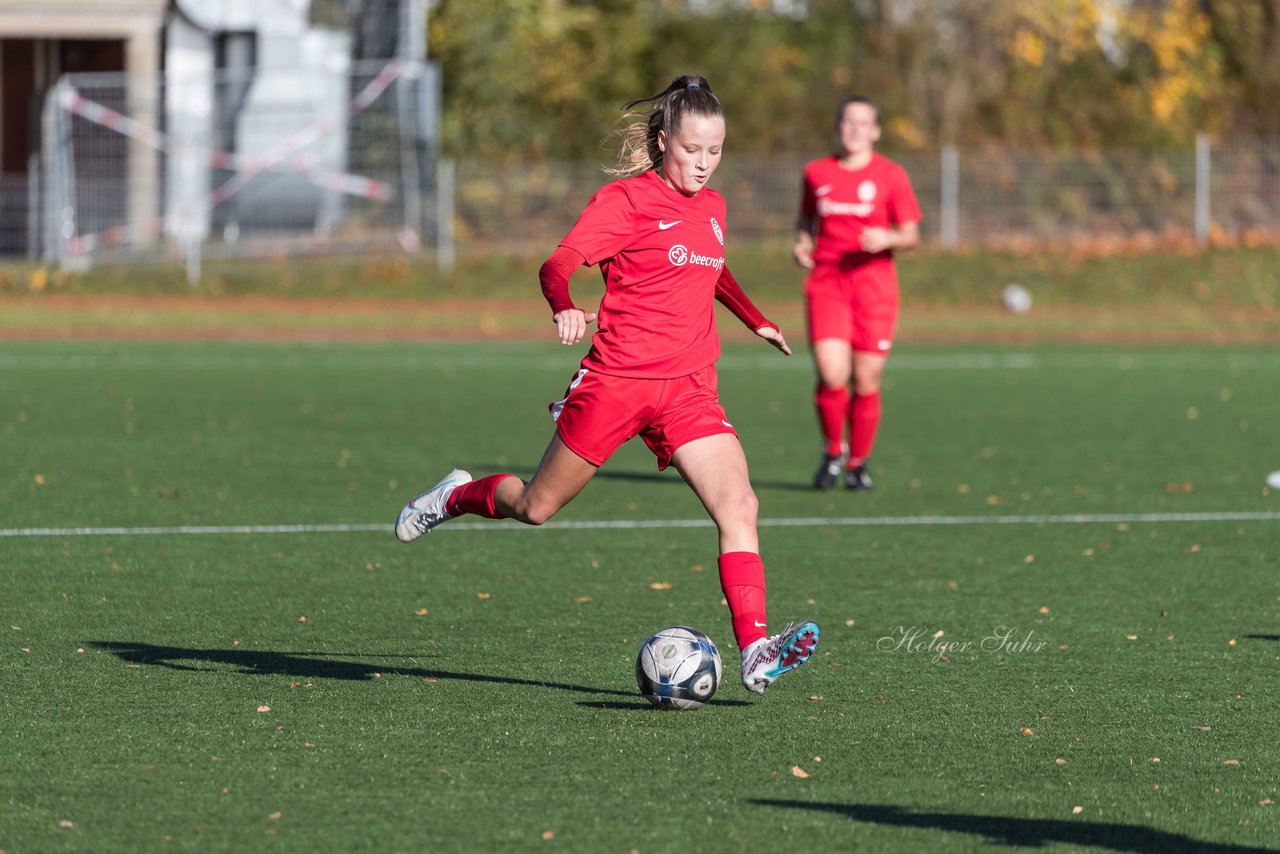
[[28, 68]]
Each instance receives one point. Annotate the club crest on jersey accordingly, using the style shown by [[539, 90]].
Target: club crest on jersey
[[715, 227], [680, 256]]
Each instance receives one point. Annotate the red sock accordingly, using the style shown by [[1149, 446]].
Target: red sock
[[742, 580], [476, 497], [833, 407], [864, 420]]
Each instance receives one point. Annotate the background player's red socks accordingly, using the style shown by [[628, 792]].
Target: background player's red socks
[[864, 420], [476, 497], [742, 580], [833, 407]]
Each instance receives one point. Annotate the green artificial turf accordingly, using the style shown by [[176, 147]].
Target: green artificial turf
[[1088, 529]]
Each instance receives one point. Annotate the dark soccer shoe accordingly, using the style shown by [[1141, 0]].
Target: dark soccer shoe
[[857, 478], [828, 472]]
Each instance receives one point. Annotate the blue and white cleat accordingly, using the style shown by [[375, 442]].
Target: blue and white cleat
[[768, 658], [427, 510]]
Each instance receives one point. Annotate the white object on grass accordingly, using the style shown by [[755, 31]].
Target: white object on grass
[[1016, 299]]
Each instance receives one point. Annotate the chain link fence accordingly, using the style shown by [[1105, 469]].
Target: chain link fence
[[281, 162], [986, 198], [286, 163]]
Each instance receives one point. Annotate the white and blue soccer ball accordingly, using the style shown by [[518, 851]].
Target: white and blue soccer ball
[[678, 668]]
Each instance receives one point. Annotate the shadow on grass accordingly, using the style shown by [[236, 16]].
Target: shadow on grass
[[1264, 637], [268, 663], [1024, 832], [646, 706]]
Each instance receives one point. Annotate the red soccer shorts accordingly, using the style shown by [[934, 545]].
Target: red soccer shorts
[[857, 305], [599, 412]]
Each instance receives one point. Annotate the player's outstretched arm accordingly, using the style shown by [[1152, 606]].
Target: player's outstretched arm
[[571, 321], [731, 295]]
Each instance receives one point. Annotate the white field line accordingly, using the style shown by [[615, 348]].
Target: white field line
[[635, 524]]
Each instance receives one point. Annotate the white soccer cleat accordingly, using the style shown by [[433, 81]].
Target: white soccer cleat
[[768, 658], [427, 510]]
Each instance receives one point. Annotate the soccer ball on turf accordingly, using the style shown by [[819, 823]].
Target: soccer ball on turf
[[678, 668]]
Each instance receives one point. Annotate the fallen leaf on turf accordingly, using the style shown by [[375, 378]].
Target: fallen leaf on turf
[[1231, 762], [1026, 730], [1044, 609], [66, 823], [797, 771], [307, 744], [1184, 486], [1059, 761], [1029, 559], [815, 696], [697, 567], [302, 618], [1231, 642], [1130, 637], [1203, 727], [421, 612], [660, 585], [79, 649], [275, 815], [582, 600], [850, 622], [548, 835], [1265, 802], [1155, 759], [1077, 810], [264, 708], [431, 681], [484, 596]]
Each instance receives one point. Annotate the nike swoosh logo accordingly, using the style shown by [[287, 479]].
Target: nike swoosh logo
[[760, 625], [663, 226], [823, 190]]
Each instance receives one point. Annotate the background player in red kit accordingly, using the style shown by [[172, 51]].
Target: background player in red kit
[[860, 207], [658, 235]]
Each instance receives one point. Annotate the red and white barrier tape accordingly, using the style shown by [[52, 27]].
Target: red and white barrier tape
[[284, 154]]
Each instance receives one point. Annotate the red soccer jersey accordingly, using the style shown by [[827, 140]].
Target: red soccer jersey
[[661, 253], [843, 202]]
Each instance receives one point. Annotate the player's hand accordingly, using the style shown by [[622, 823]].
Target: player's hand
[[876, 239], [803, 253], [774, 337], [572, 324]]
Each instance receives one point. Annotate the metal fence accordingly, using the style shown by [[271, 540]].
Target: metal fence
[[1231, 188], [171, 169], [216, 166]]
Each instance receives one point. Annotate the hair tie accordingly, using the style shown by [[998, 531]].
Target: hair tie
[[693, 86]]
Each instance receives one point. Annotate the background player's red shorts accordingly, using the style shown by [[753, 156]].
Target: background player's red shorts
[[599, 412], [858, 305]]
